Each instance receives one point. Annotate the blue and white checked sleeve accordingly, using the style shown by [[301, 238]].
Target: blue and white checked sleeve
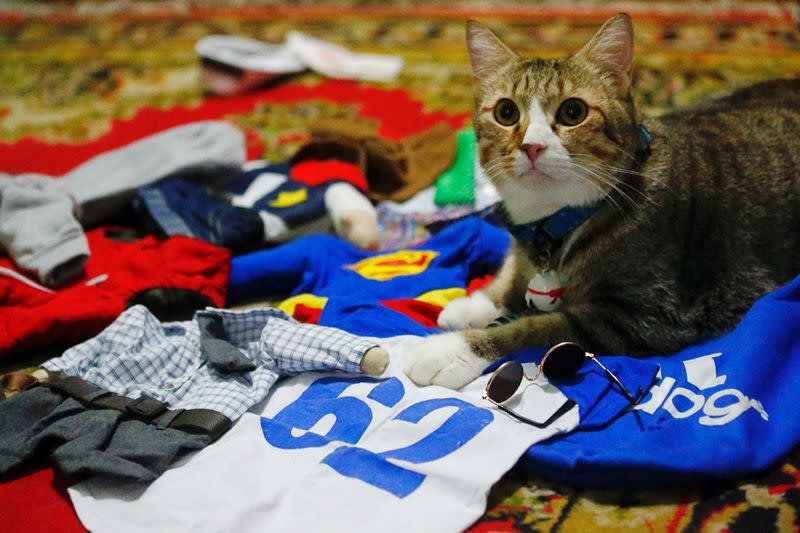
[[138, 355], [297, 347]]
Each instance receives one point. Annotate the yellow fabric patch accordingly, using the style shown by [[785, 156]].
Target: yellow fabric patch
[[290, 198], [388, 266], [309, 300], [441, 297]]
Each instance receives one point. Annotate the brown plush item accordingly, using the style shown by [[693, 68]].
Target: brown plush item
[[324, 147], [15, 382], [396, 170]]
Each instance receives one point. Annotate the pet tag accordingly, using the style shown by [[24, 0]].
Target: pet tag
[[544, 291]]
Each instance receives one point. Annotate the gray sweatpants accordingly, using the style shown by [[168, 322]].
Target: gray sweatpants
[[39, 423]]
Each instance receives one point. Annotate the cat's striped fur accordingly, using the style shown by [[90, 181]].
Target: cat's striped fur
[[687, 237]]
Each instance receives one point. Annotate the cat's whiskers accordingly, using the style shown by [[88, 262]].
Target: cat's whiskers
[[497, 176], [608, 180], [581, 168], [611, 171], [627, 154], [495, 166], [496, 172], [593, 159], [635, 161], [614, 187], [588, 158], [571, 172]]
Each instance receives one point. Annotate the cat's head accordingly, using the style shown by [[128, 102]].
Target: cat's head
[[551, 131]]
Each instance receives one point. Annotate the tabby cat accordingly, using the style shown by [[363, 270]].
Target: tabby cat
[[657, 234]]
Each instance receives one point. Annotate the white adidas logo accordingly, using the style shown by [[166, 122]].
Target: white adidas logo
[[719, 408]]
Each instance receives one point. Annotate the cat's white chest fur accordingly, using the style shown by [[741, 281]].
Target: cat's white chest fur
[[545, 291]]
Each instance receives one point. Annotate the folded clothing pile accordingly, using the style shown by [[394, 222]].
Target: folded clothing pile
[[42, 218], [126, 403]]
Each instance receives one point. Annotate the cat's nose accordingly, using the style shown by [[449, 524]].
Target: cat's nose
[[534, 151]]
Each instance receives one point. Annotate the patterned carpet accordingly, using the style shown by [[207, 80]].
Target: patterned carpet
[[68, 71]]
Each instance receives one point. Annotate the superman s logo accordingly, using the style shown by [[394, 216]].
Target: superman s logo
[[387, 266]]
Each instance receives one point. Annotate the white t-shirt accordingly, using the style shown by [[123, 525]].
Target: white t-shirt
[[338, 452]]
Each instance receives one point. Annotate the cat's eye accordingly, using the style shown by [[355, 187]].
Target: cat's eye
[[572, 112], [506, 112]]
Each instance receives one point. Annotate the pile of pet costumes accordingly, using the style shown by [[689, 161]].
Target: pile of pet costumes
[[170, 397]]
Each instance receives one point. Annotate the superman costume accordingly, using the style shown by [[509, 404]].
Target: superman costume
[[384, 294]]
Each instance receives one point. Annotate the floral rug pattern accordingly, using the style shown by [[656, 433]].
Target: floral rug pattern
[[67, 72]]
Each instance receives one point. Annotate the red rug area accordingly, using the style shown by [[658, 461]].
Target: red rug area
[[398, 113], [37, 503]]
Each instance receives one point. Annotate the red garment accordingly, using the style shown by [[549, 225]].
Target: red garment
[[32, 318], [314, 173], [424, 313], [478, 283], [37, 503]]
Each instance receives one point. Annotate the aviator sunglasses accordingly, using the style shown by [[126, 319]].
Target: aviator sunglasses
[[561, 361]]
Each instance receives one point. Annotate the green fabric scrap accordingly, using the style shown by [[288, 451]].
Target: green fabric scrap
[[456, 186]]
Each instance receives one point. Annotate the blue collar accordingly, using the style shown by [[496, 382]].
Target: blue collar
[[643, 146], [550, 231]]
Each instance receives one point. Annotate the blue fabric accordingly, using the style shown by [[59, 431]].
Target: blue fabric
[[555, 227], [323, 266], [600, 401], [239, 182], [313, 207], [183, 207], [722, 409]]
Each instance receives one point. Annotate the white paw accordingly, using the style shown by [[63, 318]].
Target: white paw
[[354, 217], [445, 360], [360, 228], [474, 311]]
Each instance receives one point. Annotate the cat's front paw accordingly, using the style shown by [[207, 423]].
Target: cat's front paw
[[445, 360], [472, 312]]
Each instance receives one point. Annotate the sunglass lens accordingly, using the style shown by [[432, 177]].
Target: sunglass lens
[[563, 361], [505, 382]]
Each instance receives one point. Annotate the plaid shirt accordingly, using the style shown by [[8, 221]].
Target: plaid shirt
[[138, 354]]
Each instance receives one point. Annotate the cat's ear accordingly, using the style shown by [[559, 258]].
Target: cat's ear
[[611, 49], [487, 53]]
